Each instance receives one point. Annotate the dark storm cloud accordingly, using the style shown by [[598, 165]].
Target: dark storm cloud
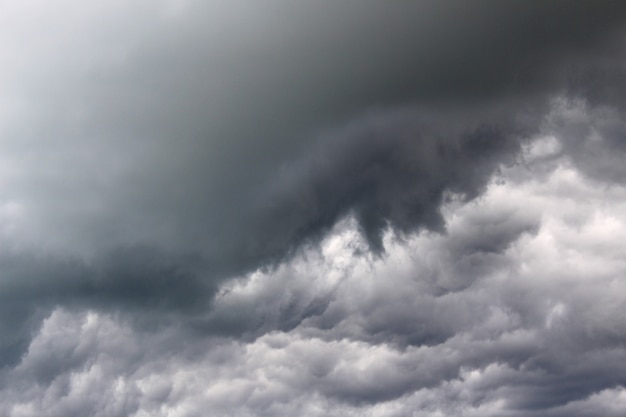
[[389, 171], [167, 135], [151, 152]]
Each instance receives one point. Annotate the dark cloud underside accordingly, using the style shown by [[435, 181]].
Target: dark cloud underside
[[436, 183]]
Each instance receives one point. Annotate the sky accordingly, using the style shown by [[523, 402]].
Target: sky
[[322, 208]]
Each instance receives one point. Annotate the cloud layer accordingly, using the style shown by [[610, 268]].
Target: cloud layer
[[516, 310], [324, 209]]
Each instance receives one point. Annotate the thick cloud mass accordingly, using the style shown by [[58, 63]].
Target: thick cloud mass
[[162, 123], [518, 315], [331, 208]]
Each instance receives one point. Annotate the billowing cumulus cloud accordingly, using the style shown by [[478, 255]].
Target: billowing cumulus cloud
[[443, 324], [348, 208]]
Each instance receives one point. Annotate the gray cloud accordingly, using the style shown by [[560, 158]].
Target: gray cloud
[[163, 135], [264, 182], [147, 286], [526, 336], [595, 137]]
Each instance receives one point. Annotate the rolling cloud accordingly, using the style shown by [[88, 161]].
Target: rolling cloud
[[351, 208]]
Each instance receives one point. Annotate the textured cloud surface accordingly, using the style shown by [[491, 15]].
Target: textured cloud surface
[[338, 208], [516, 310]]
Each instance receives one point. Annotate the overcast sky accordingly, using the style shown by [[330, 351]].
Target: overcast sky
[[321, 208]]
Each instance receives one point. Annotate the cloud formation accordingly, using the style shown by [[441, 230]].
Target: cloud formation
[[345, 208], [442, 324], [156, 124]]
